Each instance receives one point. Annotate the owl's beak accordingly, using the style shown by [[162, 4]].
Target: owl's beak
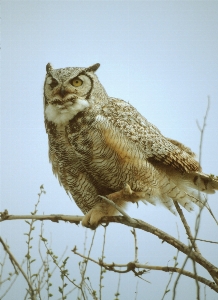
[[63, 92]]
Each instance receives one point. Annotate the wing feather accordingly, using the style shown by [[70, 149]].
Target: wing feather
[[157, 147]]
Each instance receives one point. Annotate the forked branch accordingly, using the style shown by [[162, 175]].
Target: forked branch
[[134, 223]]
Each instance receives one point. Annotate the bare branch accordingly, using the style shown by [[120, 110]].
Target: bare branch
[[132, 265], [136, 291], [53, 218], [14, 261], [101, 268], [206, 241], [86, 264], [197, 222], [175, 264], [187, 228], [203, 128], [135, 223], [196, 281], [135, 242]]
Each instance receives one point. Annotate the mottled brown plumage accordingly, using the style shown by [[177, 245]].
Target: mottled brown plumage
[[98, 144]]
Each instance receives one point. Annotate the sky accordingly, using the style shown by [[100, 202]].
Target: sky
[[161, 56]]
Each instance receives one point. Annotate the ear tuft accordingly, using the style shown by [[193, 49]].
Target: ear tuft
[[93, 68], [48, 68]]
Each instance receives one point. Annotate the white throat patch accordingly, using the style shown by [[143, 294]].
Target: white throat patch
[[61, 114]]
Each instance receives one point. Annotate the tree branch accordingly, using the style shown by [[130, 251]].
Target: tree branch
[[53, 218], [132, 265], [135, 223], [187, 228]]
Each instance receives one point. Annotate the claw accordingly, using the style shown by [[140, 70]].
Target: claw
[[126, 194], [92, 218], [127, 190]]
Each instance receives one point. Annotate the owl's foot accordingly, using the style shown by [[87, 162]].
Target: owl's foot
[[93, 217], [126, 194]]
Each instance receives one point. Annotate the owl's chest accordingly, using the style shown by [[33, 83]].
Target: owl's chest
[[65, 141], [62, 155], [79, 133]]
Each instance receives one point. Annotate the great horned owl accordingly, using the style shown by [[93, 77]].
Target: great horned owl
[[99, 144]]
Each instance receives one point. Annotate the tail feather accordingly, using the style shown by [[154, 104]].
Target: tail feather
[[187, 189], [202, 182], [186, 202], [168, 202]]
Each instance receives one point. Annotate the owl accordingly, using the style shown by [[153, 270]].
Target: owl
[[99, 145]]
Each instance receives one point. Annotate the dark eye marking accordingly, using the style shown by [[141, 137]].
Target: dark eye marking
[[53, 83]]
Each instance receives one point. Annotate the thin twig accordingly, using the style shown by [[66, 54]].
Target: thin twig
[[11, 281], [196, 280], [187, 228], [213, 275], [50, 253], [2, 267], [203, 128], [175, 264], [101, 268], [68, 293], [133, 231], [13, 259], [83, 270], [9, 287], [136, 290], [118, 287], [197, 223], [206, 241]]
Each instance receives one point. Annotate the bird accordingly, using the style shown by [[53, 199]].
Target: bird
[[102, 146]]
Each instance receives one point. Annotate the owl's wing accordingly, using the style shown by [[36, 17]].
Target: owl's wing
[[157, 148]]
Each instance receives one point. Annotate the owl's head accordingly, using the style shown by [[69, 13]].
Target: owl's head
[[69, 91]]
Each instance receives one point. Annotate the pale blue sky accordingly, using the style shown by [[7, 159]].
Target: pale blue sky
[[159, 56]]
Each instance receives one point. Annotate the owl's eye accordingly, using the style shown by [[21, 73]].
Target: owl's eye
[[76, 82], [53, 83]]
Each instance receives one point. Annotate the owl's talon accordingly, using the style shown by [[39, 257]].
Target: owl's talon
[[127, 189], [105, 224], [92, 218], [126, 194]]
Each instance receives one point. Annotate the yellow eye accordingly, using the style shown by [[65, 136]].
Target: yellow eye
[[76, 82]]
